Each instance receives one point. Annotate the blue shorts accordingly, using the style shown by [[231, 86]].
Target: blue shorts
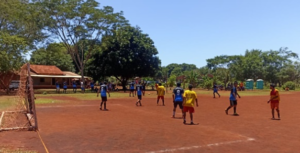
[[215, 90], [82, 88]]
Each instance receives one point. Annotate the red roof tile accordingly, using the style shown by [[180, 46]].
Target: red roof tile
[[46, 70]]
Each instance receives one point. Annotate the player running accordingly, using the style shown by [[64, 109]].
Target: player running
[[104, 90], [139, 92], [161, 93], [216, 91], [177, 98], [232, 98], [131, 86], [189, 98], [65, 87], [274, 99]]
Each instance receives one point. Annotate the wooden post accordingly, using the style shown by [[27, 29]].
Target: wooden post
[[32, 96]]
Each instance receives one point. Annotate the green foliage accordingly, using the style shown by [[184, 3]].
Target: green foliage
[[20, 29], [193, 78], [79, 24], [125, 54], [290, 84], [273, 66], [54, 54], [172, 80]]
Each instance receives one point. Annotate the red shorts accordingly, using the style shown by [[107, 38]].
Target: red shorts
[[188, 109], [274, 105], [162, 97]]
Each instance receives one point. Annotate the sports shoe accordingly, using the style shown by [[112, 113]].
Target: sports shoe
[[226, 111], [184, 122], [100, 108], [192, 123], [235, 114], [136, 103], [173, 116]]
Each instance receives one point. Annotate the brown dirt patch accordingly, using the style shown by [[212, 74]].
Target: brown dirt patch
[[127, 128]]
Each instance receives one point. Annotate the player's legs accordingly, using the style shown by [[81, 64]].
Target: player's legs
[[278, 113], [101, 105], [191, 116], [181, 107], [218, 94], [184, 110], [273, 114], [174, 109], [214, 94], [158, 97], [191, 111], [231, 105], [140, 99], [104, 105], [163, 100]]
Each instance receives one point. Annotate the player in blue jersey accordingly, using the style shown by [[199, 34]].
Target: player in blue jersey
[[177, 98], [57, 87], [139, 92], [215, 88], [131, 87], [92, 86], [65, 87], [103, 90], [232, 98], [74, 86]]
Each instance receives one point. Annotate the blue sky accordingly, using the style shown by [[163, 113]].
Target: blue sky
[[192, 31]]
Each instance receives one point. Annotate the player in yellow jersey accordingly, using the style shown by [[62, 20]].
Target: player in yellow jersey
[[274, 99], [161, 93], [189, 98]]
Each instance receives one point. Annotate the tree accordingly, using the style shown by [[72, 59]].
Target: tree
[[125, 54], [54, 54], [171, 80], [79, 24], [20, 29]]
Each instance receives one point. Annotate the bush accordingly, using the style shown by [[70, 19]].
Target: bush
[[291, 85]]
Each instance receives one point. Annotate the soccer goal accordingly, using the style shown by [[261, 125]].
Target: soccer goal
[[23, 115]]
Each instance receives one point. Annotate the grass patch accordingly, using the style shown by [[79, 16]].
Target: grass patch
[[6, 102], [47, 101], [8, 150]]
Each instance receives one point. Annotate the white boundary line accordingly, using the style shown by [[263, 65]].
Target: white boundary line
[[1, 118], [207, 145]]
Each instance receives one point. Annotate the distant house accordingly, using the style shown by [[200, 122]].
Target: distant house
[[45, 76]]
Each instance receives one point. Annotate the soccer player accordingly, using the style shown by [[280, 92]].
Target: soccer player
[[92, 86], [82, 86], [139, 92], [232, 98], [216, 91], [57, 87], [274, 99], [177, 98], [65, 86], [74, 86], [189, 98], [161, 93], [131, 89], [104, 90]]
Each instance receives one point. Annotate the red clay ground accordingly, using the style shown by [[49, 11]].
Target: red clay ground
[[150, 128]]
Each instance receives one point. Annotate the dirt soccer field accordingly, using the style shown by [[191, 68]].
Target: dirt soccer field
[[82, 127]]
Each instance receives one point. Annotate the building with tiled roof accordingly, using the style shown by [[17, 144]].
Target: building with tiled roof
[[45, 76]]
